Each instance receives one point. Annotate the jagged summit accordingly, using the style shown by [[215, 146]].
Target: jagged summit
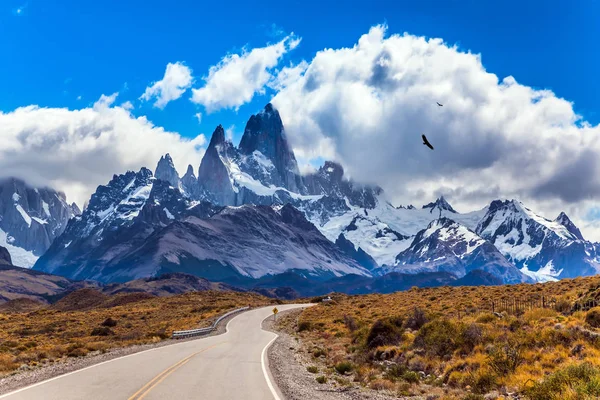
[[440, 204], [565, 221], [218, 136], [165, 170], [264, 133]]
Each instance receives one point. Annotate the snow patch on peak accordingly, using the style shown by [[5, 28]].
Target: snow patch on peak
[[16, 197], [24, 214], [20, 257]]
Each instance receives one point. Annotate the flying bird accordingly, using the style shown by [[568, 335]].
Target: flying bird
[[441, 105], [426, 142]]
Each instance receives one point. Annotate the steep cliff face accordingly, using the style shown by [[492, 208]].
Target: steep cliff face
[[165, 170], [30, 219], [265, 140], [214, 178]]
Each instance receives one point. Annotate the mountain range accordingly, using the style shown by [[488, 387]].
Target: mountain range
[[249, 216]]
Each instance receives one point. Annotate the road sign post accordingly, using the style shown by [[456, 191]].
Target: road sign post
[[275, 311]]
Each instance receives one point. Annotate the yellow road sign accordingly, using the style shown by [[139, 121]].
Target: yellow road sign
[[275, 310]]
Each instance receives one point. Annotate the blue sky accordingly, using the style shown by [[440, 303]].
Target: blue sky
[[54, 52]]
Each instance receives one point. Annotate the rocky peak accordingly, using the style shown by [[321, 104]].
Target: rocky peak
[[218, 136], [31, 218], [189, 183], [264, 132], [440, 204], [165, 171], [565, 221], [333, 170], [213, 174]]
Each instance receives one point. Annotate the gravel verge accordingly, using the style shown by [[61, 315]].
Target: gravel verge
[[288, 367], [32, 375]]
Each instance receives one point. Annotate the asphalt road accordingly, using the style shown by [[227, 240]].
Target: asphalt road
[[228, 366]]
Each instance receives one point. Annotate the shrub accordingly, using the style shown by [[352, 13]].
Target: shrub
[[472, 336], [581, 381], [484, 382], [486, 318], [505, 360], [102, 331], [318, 352], [592, 318], [344, 367], [438, 337], [321, 379], [472, 396], [304, 326], [384, 332], [109, 322], [77, 352], [416, 319], [350, 323], [312, 369]]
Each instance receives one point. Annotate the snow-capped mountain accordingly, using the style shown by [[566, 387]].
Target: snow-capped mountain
[[541, 248], [30, 219], [446, 245], [140, 223], [119, 216]]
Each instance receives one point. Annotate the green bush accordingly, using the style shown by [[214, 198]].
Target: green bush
[[387, 331], [593, 317], [312, 369], [109, 322], [304, 326], [344, 367], [416, 319], [580, 381], [321, 379], [439, 338], [505, 359], [102, 331]]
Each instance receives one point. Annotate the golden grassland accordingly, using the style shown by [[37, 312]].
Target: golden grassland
[[49, 334], [446, 342]]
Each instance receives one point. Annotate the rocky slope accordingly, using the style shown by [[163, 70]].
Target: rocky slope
[[30, 219]]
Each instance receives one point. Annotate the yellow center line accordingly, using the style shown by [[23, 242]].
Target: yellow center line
[[140, 394]]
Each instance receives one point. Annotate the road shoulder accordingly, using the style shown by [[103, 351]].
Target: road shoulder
[[288, 361]]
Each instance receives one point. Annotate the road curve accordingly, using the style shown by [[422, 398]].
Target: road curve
[[228, 366]]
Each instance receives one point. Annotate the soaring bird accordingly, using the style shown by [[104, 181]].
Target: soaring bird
[[441, 105], [426, 142]]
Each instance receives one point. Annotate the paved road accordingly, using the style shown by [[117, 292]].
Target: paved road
[[228, 366]]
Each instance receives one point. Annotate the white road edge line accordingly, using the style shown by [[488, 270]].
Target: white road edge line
[[264, 368], [111, 360]]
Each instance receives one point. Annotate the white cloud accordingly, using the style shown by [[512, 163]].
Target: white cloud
[[238, 77], [229, 133], [77, 150], [127, 105], [198, 117], [177, 79], [78, 97], [368, 105]]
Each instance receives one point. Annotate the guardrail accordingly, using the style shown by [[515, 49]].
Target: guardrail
[[201, 331]]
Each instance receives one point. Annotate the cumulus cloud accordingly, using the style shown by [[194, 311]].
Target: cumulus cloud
[[238, 77], [198, 117], [77, 150], [368, 105], [177, 79]]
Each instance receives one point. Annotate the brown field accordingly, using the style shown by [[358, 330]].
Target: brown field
[[87, 321], [446, 342]]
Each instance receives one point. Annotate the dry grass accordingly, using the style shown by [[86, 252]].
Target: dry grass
[[453, 345], [97, 323]]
